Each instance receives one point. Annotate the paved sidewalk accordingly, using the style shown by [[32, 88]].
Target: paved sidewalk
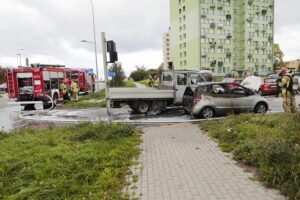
[[178, 162], [139, 85]]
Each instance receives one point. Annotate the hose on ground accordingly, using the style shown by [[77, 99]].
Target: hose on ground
[[52, 103]]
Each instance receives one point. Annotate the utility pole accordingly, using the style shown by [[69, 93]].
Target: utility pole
[[104, 52], [95, 41]]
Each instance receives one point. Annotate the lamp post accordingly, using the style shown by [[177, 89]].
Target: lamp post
[[19, 54], [95, 41]]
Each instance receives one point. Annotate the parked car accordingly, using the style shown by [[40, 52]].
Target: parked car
[[268, 86], [215, 99], [3, 87], [233, 80]]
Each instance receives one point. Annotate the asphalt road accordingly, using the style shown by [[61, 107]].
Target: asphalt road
[[12, 117]]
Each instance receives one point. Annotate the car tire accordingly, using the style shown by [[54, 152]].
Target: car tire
[[142, 107], [207, 113], [261, 108]]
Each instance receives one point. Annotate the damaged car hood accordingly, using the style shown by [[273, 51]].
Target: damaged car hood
[[252, 82]]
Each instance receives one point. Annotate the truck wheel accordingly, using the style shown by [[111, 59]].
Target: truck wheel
[[142, 107]]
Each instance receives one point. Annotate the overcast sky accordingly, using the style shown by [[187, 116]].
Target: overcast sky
[[50, 31]]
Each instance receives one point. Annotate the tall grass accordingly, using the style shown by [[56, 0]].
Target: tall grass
[[86, 161], [268, 142]]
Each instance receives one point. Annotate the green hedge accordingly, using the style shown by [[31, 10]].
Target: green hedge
[[268, 142], [85, 161]]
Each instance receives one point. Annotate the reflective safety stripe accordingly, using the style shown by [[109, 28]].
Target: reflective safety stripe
[[283, 91]]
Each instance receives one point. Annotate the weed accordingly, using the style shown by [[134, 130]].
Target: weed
[[270, 143], [85, 161]]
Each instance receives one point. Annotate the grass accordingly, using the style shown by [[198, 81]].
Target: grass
[[82, 103], [270, 143], [128, 84], [85, 161], [1, 94], [144, 82]]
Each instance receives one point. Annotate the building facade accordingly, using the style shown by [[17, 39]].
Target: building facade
[[225, 36], [166, 49]]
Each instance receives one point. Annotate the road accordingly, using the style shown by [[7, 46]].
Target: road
[[12, 117]]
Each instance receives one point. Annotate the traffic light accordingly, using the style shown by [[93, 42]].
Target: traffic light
[[111, 49]]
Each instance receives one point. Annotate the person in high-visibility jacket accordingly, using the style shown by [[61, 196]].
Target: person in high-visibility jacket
[[75, 90], [286, 84], [65, 91], [156, 81]]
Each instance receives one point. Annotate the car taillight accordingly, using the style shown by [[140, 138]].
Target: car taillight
[[197, 99]]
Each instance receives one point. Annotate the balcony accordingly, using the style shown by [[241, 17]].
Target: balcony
[[228, 16], [212, 25], [220, 6], [257, 29], [203, 35], [229, 35], [220, 45], [250, 37], [250, 19], [220, 25], [264, 29], [228, 54], [264, 12], [203, 15], [270, 56], [212, 44], [220, 63], [213, 63], [250, 2], [257, 12], [212, 6], [250, 55], [270, 39], [271, 22], [256, 46], [204, 54]]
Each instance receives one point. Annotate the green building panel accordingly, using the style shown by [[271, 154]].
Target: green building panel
[[225, 36]]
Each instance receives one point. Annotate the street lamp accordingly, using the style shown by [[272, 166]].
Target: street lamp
[[19, 54], [95, 41]]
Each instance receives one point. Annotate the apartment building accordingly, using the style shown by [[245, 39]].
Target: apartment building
[[166, 49], [225, 36]]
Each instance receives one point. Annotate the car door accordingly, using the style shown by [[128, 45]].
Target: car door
[[241, 99], [181, 84], [221, 99]]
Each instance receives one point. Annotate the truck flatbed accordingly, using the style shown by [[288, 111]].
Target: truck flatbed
[[140, 93]]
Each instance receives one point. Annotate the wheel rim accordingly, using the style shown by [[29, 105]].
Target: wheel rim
[[208, 113], [143, 108], [261, 108]]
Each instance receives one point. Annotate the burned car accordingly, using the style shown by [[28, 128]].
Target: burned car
[[215, 99]]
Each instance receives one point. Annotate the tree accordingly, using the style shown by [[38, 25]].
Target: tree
[[278, 58], [118, 80], [139, 74], [2, 75]]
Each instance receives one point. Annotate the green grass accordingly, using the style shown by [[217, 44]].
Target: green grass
[[270, 143], [1, 94], [85, 161], [81, 104], [144, 82], [128, 84]]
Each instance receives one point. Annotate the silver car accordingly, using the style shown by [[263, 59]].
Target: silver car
[[213, 99]]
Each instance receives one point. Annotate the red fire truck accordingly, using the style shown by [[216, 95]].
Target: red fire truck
[[41, 83]]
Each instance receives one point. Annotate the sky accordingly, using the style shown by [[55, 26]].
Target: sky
[[50, 31]]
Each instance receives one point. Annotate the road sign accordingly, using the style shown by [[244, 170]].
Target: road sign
[[111, 74], [90, 71]]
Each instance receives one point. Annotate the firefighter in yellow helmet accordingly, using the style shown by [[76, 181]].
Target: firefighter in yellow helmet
[[156, 81], [75, 90], [288, 93], [65, 91]]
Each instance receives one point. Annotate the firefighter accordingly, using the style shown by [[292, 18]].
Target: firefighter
[[75, 90], [65, 91], [288, 93], [156, 81], [150, 81]]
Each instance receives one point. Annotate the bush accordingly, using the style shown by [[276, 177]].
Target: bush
[[268, 142], [85, 161]]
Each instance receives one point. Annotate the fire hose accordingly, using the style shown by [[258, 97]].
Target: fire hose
[[52, 103]]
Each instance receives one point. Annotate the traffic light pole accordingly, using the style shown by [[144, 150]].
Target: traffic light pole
[[104, 52]]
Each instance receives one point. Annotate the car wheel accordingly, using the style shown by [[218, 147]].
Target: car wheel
[[207, 113], [142, 107], [261, 108], [260, 93]]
